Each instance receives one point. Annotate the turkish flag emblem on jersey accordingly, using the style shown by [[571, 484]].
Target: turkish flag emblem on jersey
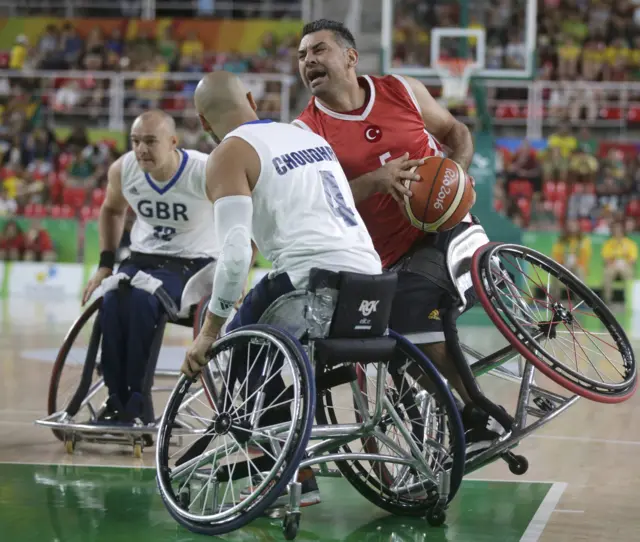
[[373, 134]]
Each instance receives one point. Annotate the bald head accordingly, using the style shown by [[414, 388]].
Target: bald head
[[223, 103], [154, 141], [154, 121]]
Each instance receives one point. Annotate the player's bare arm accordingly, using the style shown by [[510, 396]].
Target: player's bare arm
[[231, 172], [442, 124], [110, 227]]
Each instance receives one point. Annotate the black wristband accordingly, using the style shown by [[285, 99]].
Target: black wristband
[[107, 259]]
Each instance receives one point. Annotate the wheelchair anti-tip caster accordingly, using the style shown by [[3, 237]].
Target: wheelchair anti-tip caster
[[518, 464], [70, 443], [437, 516], [137, 449], [290, 525]]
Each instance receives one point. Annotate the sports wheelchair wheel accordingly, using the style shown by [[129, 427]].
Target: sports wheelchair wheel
[[65, 392], [198, 483], [76, 381], [428, 411], [576, 341]]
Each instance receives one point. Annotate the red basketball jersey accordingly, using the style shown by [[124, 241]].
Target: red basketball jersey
[[388, 125]]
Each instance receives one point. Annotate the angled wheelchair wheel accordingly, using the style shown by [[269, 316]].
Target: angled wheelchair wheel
[[76, 382], [555, 322], [202, 482], [428, 412]]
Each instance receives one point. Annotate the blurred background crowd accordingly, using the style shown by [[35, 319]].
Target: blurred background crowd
[[64, 80]]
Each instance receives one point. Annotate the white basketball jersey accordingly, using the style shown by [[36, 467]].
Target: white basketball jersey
[[174, 218], [304, 215]]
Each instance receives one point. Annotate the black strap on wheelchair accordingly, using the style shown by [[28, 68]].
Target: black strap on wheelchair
[[167, 304]]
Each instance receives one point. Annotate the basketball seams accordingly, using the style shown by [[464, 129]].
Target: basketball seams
[[407, 203], [428, 203], [457, 200]]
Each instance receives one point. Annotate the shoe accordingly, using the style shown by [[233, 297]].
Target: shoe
[[110, 414], [481, 430], [309, 492]]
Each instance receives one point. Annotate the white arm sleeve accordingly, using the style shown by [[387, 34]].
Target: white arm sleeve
[[232, 218]]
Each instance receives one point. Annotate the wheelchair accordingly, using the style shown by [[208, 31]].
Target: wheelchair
[[77, 393], [396, 434]]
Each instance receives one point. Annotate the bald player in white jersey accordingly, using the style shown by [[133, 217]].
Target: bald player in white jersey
[[171, 240], [284, 188]]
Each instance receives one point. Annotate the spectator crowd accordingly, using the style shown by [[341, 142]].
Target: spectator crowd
[[147, 58], [570, 180], [590, 40], [45, 172]]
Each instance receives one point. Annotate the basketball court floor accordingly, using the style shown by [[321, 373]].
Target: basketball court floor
[[581, 484]]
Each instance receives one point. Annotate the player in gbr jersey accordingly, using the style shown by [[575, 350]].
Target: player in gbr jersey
[[380, 128], [171, 240]]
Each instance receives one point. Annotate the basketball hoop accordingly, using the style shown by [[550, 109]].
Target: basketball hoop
[[455, 74]]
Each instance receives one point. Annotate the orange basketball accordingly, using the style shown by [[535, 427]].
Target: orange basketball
[[442, 198]]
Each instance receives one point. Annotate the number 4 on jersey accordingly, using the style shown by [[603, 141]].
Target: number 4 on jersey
[[335, 199]]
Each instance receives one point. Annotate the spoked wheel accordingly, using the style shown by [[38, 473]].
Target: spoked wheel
[[75, 380], [572, 338], [428, 413], [264, 402]]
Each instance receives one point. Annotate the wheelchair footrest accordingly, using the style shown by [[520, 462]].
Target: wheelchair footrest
[[335, 351]]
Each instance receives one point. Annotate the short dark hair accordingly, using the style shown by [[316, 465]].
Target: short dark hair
[[340, 31]]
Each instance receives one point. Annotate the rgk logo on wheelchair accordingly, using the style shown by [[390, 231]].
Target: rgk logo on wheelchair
[[367, 307]]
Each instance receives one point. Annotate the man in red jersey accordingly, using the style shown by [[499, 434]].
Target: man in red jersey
[[380, 128]]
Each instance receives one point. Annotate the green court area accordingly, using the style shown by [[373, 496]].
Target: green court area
[[80, 504]]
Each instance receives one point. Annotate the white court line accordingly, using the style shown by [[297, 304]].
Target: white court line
[[12, 422], [568, 511], [78, 465], [542, 516], [587, 439], [30, 412]]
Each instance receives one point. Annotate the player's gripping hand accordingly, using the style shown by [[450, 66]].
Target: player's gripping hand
[[196, 357], [94, 282], [394, 173]]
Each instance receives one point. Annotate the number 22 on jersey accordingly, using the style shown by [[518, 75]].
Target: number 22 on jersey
[[164, 233]]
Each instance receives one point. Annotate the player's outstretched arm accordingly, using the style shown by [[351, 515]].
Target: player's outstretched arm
[[232, 170], [110, 227], [442, 124]]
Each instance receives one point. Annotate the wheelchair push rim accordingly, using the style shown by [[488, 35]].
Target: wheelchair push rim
[[514, 285], [223, 518]]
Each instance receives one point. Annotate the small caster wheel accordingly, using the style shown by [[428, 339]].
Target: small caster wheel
[[290, 525], [519, 465], [137, 450], [436, 517], [70, 444]]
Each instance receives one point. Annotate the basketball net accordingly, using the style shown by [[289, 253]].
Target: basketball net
[[455, 77]]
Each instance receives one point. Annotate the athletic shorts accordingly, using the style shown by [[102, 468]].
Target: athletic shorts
[[424, 288]]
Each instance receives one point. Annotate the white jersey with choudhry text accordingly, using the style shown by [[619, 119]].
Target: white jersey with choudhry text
[[173, 218], [304, 215]]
